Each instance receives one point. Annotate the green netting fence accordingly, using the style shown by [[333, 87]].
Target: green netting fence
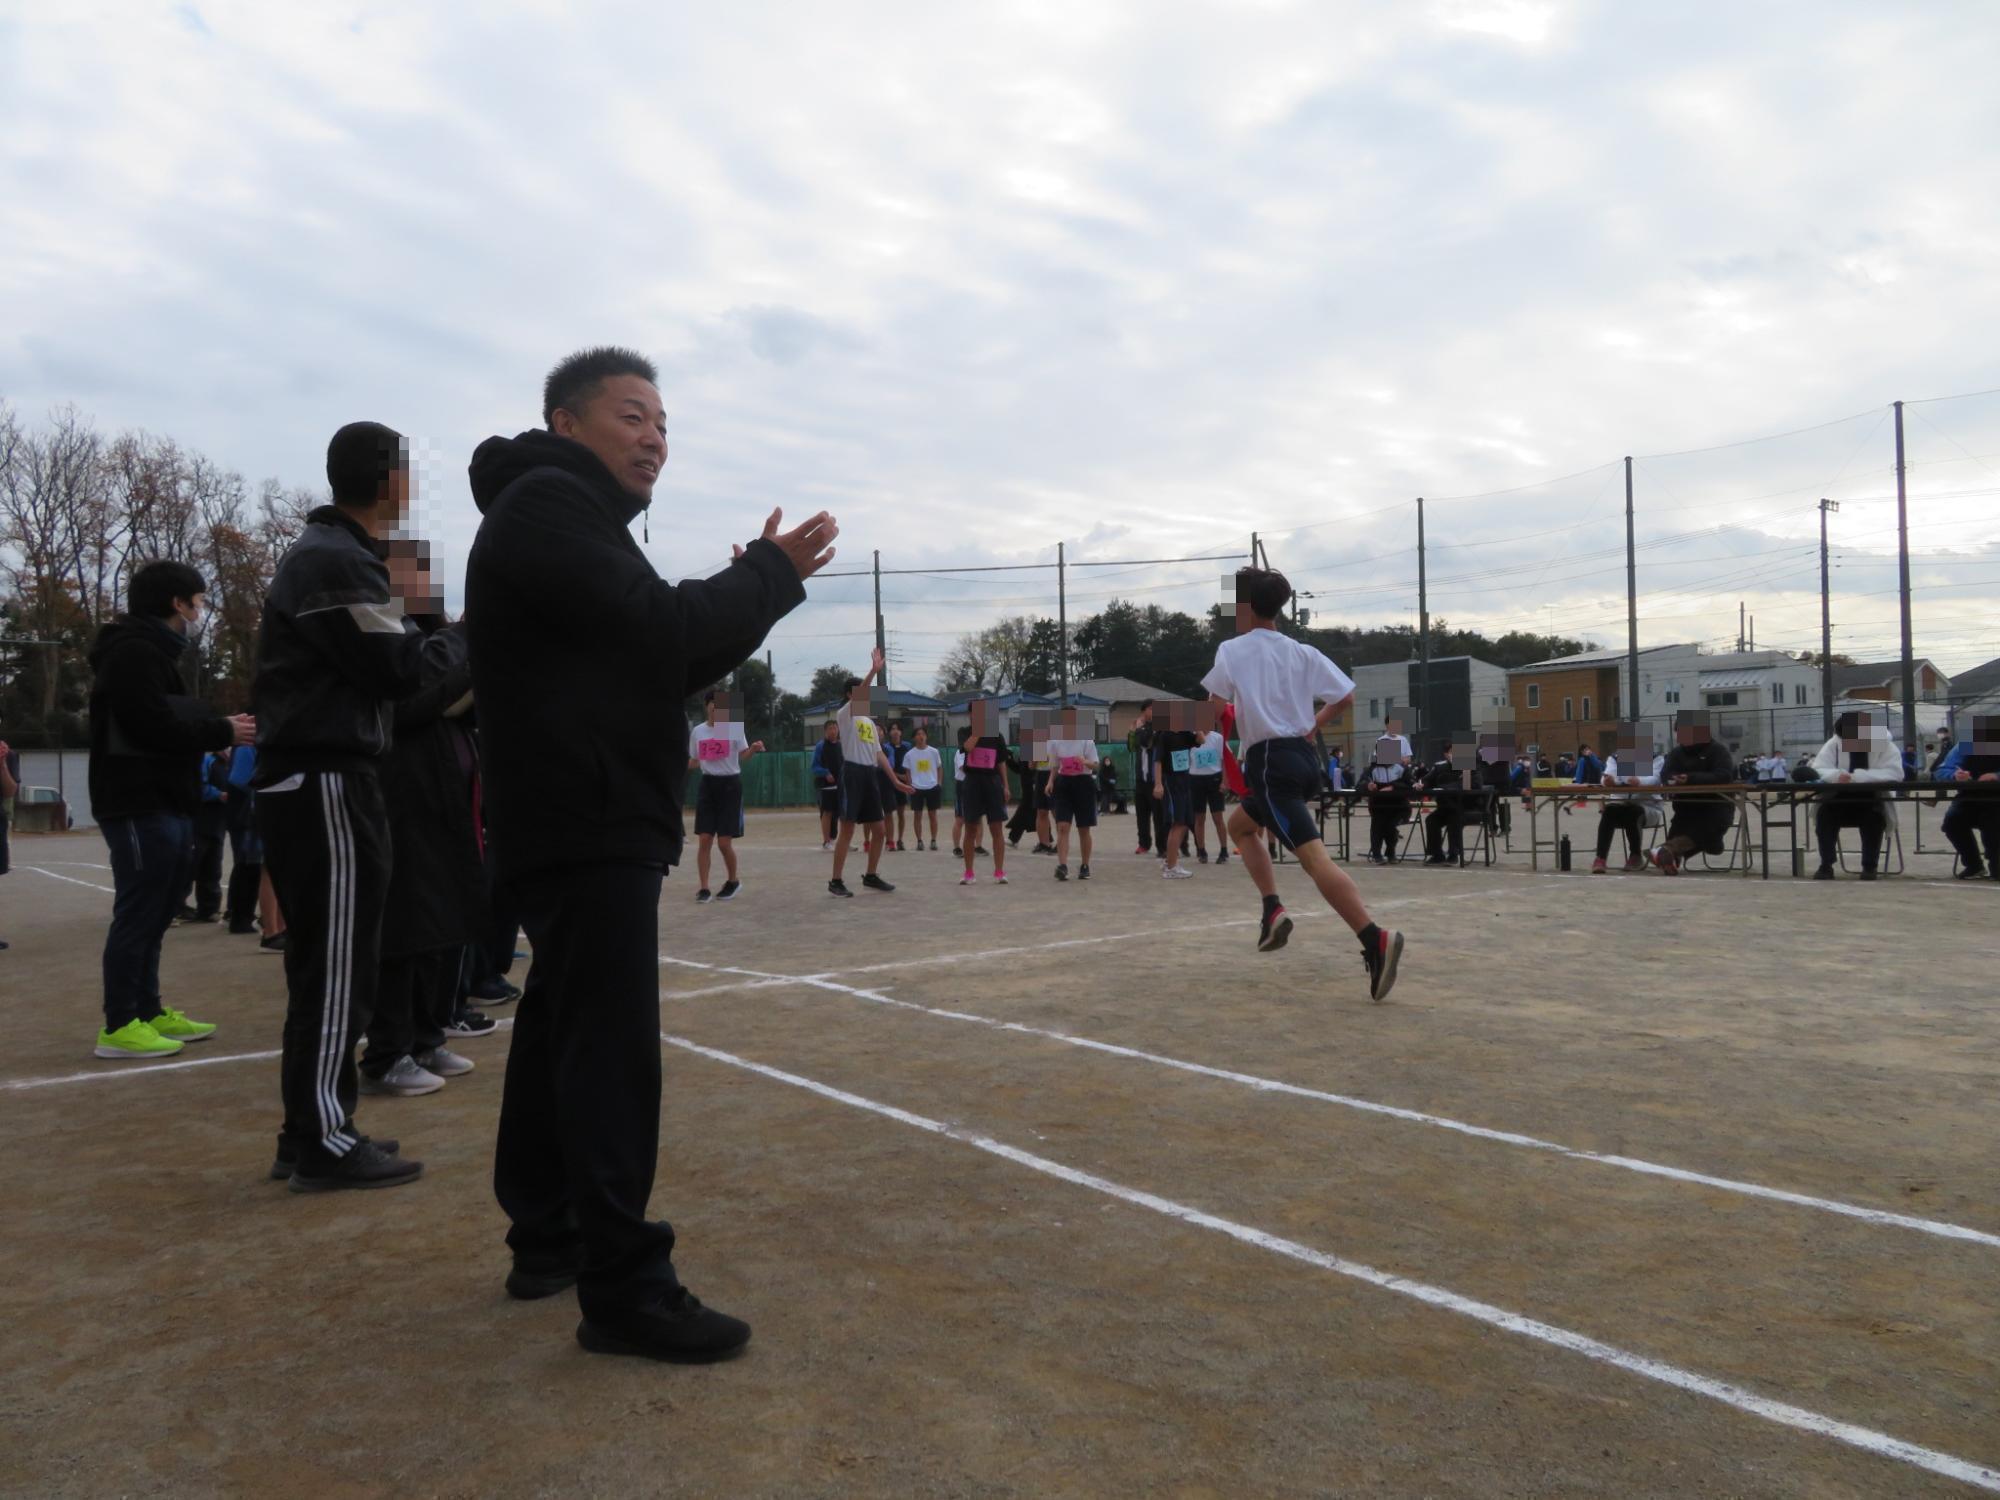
[[783, 778]]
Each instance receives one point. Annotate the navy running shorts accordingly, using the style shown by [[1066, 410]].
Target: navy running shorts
[[860, 794], [926, 798], [1076, 800], [718, 806], [984, 796], [1207, 793], [1283, 777]]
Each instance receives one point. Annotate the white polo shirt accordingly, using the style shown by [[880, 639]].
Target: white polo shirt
[[1274, 681]]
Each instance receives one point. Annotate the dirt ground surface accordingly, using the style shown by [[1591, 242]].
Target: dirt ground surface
[[983, 1258]]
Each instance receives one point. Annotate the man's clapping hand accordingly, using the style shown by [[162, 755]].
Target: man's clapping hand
[[242, 729], [808, 545]]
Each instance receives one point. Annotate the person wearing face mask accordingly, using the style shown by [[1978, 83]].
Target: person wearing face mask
[[147, 737]]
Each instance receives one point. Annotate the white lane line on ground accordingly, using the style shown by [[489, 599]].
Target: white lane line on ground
[[71, 879], [1882, 1218], [135, 1070], [1783, 1413]]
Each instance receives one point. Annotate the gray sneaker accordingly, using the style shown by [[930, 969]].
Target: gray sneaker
[[404, 1080], [444, 1062]]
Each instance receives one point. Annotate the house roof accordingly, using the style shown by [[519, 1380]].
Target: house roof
[[1725, 681], [1608, 657], [1977, 682], [1875, 673], [1119, 690], [896, 697], [1026, 700]]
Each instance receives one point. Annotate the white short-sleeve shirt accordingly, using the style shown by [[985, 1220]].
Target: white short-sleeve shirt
[[1274, 681], [718, 747]]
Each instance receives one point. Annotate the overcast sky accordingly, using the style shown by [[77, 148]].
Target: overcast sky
[[1136, 277]]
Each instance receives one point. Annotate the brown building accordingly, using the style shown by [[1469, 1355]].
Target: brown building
[[1557, 708], [1883, 681]]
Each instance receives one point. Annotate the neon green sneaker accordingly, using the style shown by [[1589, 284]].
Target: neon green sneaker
[[176, 1027], [135, 1039]]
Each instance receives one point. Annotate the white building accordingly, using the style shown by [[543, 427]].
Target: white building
[[1763, 701]]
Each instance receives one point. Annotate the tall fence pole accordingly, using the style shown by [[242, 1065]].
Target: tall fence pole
[[1825, 626], [1903, 580], [1631, 605], [880, 643], [1423, 693], [1062, 629]]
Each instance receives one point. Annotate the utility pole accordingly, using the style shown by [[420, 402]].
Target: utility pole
[[1631, 606], [1825, 627], [1062, 630], [880, 643], [1423, 693], [1903, 580]]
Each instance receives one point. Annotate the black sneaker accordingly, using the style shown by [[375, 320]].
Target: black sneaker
[[1824, 872], [1868, 875], [366, 1166], [533, 1277], [876, 883], [494, 990], [838, 888], [1273, 930], [1381, 960], [1969, 872], [1062, 872], [1222, 858], [679, 1330], [1044, 849], [702, 897], [1201, 856], [471, 1023], [272, 944], [1083, 872], [729, 890], [287, 1158]]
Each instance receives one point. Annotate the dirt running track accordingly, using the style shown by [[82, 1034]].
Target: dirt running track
[[1066, 1269]]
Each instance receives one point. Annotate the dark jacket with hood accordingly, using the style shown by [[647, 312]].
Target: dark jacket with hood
[[582, 656], [334, 651], [147, 734], [437, 887]]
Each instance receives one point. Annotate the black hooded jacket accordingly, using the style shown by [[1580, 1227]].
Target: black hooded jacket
[[146, 734], [582, 656]]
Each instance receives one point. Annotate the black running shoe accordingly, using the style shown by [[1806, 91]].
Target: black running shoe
[[1273, 930], [679, 1329], [275, 943], [838, 888], [366, 1166], [729, 890], [1222, 858], [703, 896], [1083, 872], [494, 989], [471, 1023], [533, 1277], [287, 1158], [1201, 856], [1381, 960], [876, 883], [1062, 872]]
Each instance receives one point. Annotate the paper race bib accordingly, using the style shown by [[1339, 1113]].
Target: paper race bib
[[712, 749], [1071, 765], [1179, 760], [983, 758], [1207, 758]]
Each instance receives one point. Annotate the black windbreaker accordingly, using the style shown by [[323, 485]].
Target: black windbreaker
[[334, 653], [582, 656], [146, 733]]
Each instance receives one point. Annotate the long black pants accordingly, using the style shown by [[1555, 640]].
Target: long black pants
[[1837, 813], [204, 888], [1971, 819], [415, 994], [326, 844], [1385, 816], [580, 1115], [1614, 816], [1446, 820]]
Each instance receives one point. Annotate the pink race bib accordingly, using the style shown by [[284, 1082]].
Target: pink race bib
[[711, 749], [981, 759], [1070, 765]]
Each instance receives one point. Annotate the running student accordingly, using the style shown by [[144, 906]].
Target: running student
[[718, 748], [1205, 787], [1071, 789], [984, 794], [923, 768], [862, 778], [1274, 682]]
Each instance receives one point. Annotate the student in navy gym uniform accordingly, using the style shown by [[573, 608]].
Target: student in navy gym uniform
[[717, 747], [1274, 681]]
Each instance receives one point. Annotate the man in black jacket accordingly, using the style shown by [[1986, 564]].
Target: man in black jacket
[[1699, 821], [581, 658], [146, 741], [334, 652]]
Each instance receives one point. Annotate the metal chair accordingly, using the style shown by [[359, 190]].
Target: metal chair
[[1893, 836]]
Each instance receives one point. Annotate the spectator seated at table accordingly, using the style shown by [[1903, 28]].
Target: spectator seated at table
[[1628, 761], [1803, 772], [1853, 765], [1974, 817], [1386, 785], [1444, 782], [1699, 822]]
